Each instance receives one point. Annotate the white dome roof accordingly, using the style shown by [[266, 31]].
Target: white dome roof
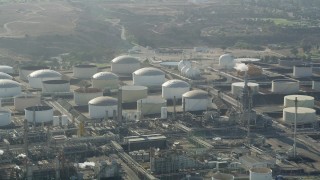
[[149, 71], [7, 83], [105, 76], [44, 73], [196, 94], [125, 60], [226, 57], [176, 83], [5, 68], [5, 76], [104, 101]]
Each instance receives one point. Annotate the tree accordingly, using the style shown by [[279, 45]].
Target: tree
[[294, 51]]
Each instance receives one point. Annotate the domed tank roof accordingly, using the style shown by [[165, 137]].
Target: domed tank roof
[[149, 71], [226, 57], [5, 76], [105, 76], [196, 94], [125, 60], [4, 67], [43, 73], [104, 101], [176, 83], [7, 83]]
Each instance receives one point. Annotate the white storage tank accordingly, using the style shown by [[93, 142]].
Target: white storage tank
[[5, 117], [83, 95], [302, 71], [316, 85], [150, 105], [303, 101], [26, 70], [100, 106], [6, 69], [285, 86], [125, 65], [55, 86], [35, 78], [174, 88], [149, 76], [304, 115], [133, 93], [105, 80], [39, 114], [9, 88], [84, 71], [260, 174], [226, 61], [222, 176], [237, 88], [196, 100], [5, 76], [24, 101]]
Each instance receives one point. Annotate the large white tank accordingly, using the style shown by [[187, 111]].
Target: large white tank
[[174, 88], [100, 106], [26, 70], [84, 71], [35, 78], [285, 86], [105, 80], [302, 71], [304, 115], [133, 93], [125, 65], [222, 176], [5, 76], [150, 105], [55, 86], [302, 101], [260, 174], [316, 85], [196, 100], [149, 76], [237, 88], [226, 61], [5, 117], [6, 69], [24, 101], [39, 114], [9, 88], [83, 95]]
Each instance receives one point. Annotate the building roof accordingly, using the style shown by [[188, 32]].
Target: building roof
[[125, 59], [195, 94], [105, 76], [7, 83], [104, 101], [176, 83], [149, 71], [44, 73]]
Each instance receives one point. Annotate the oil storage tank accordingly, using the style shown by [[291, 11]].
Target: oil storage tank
[[196, 100], [23, 101], [222, 176], [316, 85], [83, 95], [302, 71], [39, 114], [84, 71], [237, 88], [302, 101], [5, 76], [125, 65], [285, 86], [226, 61], [35, 78], [174, 88], [304, 115], [260, 174], [105, 80], [5, 117], [149, 77], [6, 69], [101, 106], [150, 105], [26, 70], [9, 88], [133, 93], [55, 86]]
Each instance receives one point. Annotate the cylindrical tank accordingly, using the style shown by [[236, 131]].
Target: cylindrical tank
[[302, 101], [125, 65], [304, 115], [55, 86], [24, 101], [302, 71], [196, 100], [26, 70], [105, 80], [133, 93], [6, 69], [84, 71], [5, 117], [226, 61], [9, 88], [164, 112], [5, 76], [37, 77], [174, 88], [101, 106], [316, 85], [149, 76], [222, 176], [285, 86], [260, 174], [39, 114], [150, 105], [83, 95], [237, 88]]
